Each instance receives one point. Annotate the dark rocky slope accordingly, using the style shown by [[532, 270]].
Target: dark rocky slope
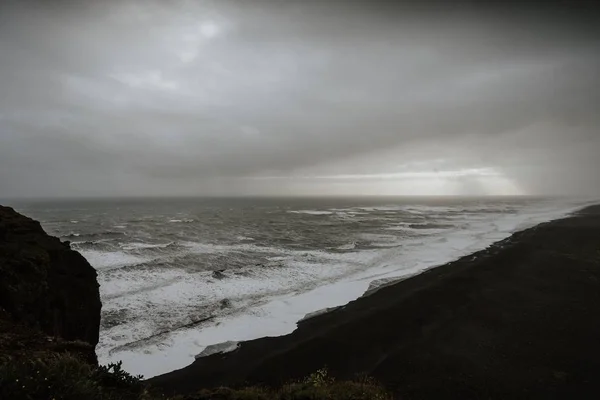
[[517, 320], [45, 288]]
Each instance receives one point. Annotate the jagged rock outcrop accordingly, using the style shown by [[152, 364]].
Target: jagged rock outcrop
[[46, 286]]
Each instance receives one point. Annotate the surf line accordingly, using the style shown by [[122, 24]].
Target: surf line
[[162, 333]]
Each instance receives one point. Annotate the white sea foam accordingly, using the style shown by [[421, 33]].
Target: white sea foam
[[268, 301], [224, 347], [138, 246], [381, 208], [119, 282], [410, 228], [241, 238], [110, 259], [348, 246], [311, 212], [348, 212]]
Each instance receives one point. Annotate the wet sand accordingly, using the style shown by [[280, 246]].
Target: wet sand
[[520, 319]]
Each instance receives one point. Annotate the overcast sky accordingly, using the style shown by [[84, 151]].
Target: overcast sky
[[291, 97]]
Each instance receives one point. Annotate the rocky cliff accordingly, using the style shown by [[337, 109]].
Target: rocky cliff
[[45, 287]]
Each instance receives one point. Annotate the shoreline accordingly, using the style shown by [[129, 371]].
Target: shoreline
[[327, 338], [279, 315], [374, 288]]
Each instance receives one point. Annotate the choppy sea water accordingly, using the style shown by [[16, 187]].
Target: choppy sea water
[[182, 278]]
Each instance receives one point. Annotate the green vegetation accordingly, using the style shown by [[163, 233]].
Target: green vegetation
[[66, 377], [318, 386]]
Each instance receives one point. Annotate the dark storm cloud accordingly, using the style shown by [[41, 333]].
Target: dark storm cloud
[[275, 97]]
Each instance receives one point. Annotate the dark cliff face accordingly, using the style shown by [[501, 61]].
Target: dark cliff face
[[44, 284]]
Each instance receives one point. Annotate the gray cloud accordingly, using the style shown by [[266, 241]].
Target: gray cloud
[[293, 97]]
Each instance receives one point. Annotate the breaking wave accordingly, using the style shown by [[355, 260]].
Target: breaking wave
[[186, 279]]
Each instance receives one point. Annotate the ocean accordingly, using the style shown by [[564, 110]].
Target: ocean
[[184, 278]]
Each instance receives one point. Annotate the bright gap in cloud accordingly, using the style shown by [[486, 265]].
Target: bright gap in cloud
[[459, 182], [209, 29], [194, 37]]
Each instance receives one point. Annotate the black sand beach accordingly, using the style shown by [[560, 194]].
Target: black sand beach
[[517, 320]]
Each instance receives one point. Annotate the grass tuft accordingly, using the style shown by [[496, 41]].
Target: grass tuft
[[66, 377]]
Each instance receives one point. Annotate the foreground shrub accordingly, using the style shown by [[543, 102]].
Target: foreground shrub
[[250, 393], [114, 376], [317, 386], [55, 377], [299, 391], [65, 377]]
